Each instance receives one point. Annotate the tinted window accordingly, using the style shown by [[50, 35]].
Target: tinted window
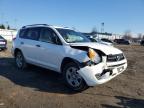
[[30, 33], [48, 35], [106, 40], [1, 37], [122, 40], [22, 32]]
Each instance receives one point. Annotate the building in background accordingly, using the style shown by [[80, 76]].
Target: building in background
[[104, 35], [8, 34]]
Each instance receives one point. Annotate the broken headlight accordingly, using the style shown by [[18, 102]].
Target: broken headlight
[[94, 56]]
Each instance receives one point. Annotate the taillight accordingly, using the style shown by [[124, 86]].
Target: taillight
[[6, 42]]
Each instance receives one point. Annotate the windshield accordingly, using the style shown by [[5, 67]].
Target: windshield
[[1, 37], [72, 36]]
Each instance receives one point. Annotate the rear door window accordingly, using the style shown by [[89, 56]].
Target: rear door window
[[30, 33]]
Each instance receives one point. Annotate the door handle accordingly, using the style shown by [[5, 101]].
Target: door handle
[[38, 46], [22, 43]]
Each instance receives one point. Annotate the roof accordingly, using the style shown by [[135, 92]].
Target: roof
[[44, 25]]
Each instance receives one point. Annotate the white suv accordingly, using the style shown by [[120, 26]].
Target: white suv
[[82, 63]]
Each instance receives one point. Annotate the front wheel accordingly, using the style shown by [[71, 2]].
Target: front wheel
[[72, 77]]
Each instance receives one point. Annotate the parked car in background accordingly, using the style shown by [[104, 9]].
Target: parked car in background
[[106, 40], [3, 43], [66, 51], [142, 42], [122, 41], [100, 41]]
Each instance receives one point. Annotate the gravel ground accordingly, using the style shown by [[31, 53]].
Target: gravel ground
[[40, 88]]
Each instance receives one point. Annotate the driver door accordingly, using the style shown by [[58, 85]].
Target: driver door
[[51, 50]]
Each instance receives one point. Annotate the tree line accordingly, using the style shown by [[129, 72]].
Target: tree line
[[2, 26], [127, 35]]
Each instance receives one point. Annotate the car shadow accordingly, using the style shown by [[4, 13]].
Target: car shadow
[[125, 102], [35, 77]]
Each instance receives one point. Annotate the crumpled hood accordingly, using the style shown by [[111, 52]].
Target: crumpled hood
[[104, 48]]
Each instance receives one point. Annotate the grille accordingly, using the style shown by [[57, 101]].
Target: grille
[[114, 58]]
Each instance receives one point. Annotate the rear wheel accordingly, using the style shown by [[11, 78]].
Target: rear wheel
[[3, 49], [73, 78], [20, 61]]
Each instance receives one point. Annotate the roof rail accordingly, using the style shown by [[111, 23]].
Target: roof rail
[[35, 25]]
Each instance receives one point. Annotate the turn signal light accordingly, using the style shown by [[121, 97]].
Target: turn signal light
[[91, 54]]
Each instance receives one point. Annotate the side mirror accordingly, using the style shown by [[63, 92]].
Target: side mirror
[[56, 40]]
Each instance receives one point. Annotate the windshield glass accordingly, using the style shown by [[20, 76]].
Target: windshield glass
[[1, 37], [72, 36]]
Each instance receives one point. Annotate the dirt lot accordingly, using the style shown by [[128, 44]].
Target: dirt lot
[[40, 88]]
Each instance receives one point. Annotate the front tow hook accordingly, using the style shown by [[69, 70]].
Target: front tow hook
[[105, 71]]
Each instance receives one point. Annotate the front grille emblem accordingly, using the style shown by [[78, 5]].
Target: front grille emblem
[[118, 58], [114, 58]]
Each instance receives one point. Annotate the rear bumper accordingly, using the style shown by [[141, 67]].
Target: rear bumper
[[103, 72], [3, 46]]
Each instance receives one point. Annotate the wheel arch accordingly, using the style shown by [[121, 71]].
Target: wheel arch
[[68, 60], [16, 50]]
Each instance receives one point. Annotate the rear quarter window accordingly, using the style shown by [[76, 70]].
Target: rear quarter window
[[22, 33]]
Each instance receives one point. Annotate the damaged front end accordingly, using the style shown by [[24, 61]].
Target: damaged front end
[[100, 68], [102, 72]]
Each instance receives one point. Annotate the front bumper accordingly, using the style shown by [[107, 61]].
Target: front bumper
[[102, 72]]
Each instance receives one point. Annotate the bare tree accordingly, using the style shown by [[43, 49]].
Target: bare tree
[[8, 27], [127, 35], [140, 36], [94, 30]]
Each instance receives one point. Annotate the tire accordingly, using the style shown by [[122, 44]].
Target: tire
[[3, 49], [72, 78], [20, 60]]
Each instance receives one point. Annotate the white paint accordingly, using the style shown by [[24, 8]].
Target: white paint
[[8, 34], [50, 56]]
